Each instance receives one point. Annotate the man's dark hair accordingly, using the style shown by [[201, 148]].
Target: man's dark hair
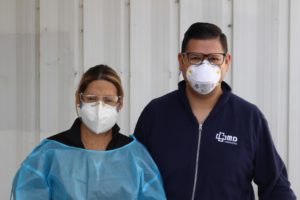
[[203, 31]]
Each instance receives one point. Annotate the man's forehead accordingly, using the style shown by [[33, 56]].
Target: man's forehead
[[204, 45]]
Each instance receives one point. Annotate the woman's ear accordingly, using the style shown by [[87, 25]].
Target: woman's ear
[[120, 106], [77, 102]]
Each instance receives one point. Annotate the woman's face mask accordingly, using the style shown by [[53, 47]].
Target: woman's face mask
[[99, 117], [203, 78]]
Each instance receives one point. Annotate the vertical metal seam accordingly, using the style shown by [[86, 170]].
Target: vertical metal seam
[[130, 112], [37, 67], [81, 39], [232, 43], [289, 83], [129, 65]]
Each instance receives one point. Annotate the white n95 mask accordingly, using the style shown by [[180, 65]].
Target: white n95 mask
[[99, 117], [203, 78]]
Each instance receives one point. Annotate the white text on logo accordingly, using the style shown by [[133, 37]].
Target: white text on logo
[[222, 137]]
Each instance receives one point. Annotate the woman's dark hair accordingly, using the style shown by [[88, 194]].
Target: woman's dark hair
[[100, 72]]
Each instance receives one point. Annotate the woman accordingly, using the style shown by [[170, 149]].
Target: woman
[[92, 160]]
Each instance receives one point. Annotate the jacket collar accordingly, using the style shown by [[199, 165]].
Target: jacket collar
[[73, 134], [223, 99]]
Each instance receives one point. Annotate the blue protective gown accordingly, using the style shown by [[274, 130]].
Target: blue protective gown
[[56, 171]]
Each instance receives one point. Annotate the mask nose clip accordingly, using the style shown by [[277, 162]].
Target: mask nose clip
[[204, 61], [100, 102]]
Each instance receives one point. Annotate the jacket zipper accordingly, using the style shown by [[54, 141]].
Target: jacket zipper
[[197, 161]]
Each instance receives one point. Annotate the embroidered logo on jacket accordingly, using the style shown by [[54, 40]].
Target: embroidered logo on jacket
[[229, 139]]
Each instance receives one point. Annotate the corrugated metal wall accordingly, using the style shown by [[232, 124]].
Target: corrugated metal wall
[[45, 45]]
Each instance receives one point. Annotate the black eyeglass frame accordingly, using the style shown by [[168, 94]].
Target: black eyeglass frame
[[204, 57]]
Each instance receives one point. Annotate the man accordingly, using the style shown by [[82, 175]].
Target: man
[[208, 143]]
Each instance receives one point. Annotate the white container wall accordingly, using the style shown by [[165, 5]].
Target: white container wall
[[293, 155], [60, 63], [46, 45], [106, 41]]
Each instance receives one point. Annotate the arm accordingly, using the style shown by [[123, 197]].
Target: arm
[[142, 128], [151, 187], [270, 173], [30, 184]]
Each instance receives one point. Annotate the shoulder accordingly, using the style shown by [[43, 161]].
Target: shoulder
[[42, 152], [118, 139], [163, 102], [140, 151], [157, 108], [60, 137], [46, 145], [243, 105], [248, 113], [167, 98], [124, 138], [70, 137], [137, 148]]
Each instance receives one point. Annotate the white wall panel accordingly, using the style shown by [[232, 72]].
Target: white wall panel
[[244, 48], [17, 87], [265, 70], [218, 12], [8, 94], [27, 78], [59, 68], [260, 59], [43, 53], [294, 97], [8, 53], [279, 116], [153, 52], [106, 41]]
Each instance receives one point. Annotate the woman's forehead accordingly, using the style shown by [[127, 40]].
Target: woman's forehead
[[101, 87]]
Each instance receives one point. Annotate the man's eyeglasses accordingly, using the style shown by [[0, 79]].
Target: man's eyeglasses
[[198, 58], [94, 99]]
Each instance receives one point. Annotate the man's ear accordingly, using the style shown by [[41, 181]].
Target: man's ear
[[77, 98], [180, 61], [228, 58], [227, 61]]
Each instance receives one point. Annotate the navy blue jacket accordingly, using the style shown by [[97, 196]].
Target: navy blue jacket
[[216, 160]]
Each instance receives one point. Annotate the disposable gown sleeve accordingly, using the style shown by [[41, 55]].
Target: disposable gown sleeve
[[151, 187], [270, 172], [29, 184]]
